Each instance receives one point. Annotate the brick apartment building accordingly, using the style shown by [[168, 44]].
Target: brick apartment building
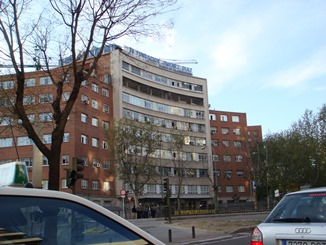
[[231, 140], [83, 138]]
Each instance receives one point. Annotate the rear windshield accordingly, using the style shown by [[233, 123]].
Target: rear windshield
[[303, 207]]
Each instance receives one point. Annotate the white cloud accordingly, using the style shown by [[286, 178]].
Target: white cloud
[[299, 75]]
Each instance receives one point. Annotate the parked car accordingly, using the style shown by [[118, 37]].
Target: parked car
[[298, 219], [34, 216]]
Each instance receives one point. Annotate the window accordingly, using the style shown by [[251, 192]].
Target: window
[[84, 83], [227, 158], [94, 122], [213, 130], [83, 118], [30, 82], [24, 140], [151, 189], [226, 143], [6, 142], [66, 137], [105, 145], [95, 104], [107, 79], [84, 184], [105, 125], [235, 119], [106, 164], [5, 121], [204, 189], [105, 92], [96, 163], [84, 99], [84, 139], [46, 98], [66, 78], [192, 189], [8, 84], [65, 159], [238, 158], [241, 188], [95, 185], [229, 188], [106, 186], [47, 138], [224, 118], [29, 100], [45, 161], [28, 162], [45, 117], [212, 117], [225, 130], [214, 142], [125, 66], [228, 174], [64, 183], [237, 143], [106, 108], [45, 184], [65, 96], [95, 142], [45, 81], [203, 173], [215, 158], [240, 173], [94, 87]]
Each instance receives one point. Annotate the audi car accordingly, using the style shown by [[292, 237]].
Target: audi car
[[34, 216], [298, 219]]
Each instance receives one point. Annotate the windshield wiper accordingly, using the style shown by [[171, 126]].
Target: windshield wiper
[[292, 220]]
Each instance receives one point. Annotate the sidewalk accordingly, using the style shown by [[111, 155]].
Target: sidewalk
[[179, 235]]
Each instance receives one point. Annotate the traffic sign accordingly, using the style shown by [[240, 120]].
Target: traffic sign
[[123, 193]]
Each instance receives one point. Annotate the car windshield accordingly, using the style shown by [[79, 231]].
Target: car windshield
[[55, 221], [301, 207]]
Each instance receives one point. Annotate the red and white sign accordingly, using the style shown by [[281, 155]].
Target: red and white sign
[[123, 193]]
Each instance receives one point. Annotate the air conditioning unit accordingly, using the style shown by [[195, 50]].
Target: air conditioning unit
[[85, 102], [98, 165]]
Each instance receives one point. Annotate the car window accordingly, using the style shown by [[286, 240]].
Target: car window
[[304, 207], [54, 221]]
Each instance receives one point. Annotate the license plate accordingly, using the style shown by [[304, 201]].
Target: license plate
[[293, 242]]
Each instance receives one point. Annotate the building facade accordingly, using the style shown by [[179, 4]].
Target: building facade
[[134, 85], [231, 140], [83, 138], [169, 96]]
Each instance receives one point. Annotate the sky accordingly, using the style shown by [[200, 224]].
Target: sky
[[263, 58]]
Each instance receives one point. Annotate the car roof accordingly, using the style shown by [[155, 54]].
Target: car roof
[[317, 189], [30, 192]]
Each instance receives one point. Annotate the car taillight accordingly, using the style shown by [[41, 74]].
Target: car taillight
[[256, 237]]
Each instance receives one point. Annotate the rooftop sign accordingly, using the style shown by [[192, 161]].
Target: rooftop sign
[[158, 62]]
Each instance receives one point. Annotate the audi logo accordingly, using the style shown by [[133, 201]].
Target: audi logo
[[302, 230]]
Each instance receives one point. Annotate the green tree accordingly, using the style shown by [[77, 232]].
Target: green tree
[[67, 28], [135, 147]]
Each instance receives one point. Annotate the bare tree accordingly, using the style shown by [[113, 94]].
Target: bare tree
[[67, 28], [176, 148], [134, 146]]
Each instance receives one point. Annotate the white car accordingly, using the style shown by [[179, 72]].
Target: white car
[[34, 216], [298, 219]]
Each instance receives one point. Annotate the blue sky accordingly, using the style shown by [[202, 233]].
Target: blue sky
[[264, 58]]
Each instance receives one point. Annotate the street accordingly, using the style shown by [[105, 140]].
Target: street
[[179, 234]]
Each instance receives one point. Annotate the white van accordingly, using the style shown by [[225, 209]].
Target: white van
[[13, 174]]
